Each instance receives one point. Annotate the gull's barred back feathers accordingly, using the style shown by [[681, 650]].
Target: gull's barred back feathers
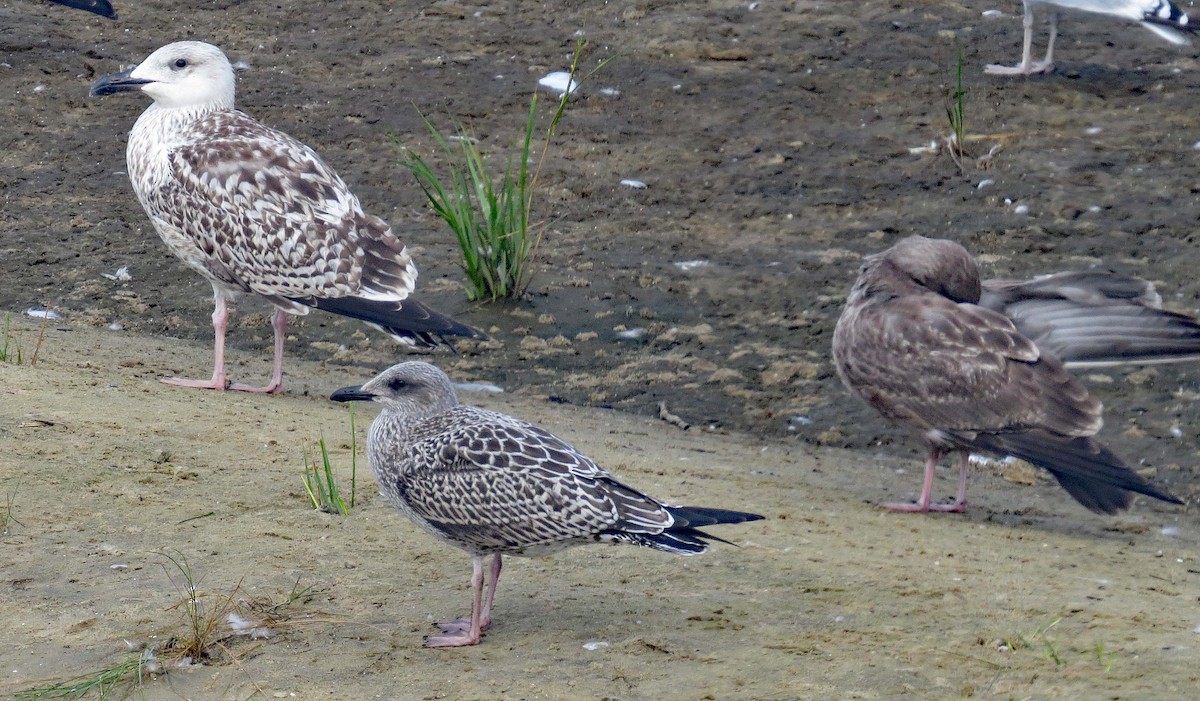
[[259, 211], [492, 483]]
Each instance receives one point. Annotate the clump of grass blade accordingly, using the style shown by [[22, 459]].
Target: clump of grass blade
[[956, 115], [10, 350], [490, 215], [203, 623], [207, 634], [116, 681], [320, 482], [7, 518]]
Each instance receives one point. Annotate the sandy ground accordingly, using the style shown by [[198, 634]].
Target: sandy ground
[[774, 142], [106, 471]]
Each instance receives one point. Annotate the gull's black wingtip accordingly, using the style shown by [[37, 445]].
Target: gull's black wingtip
[[103, 8]]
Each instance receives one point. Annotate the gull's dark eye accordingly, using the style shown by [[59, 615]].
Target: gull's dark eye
[[181, 63], [397, 384]]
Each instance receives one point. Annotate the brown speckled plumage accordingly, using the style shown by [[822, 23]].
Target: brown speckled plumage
[[257, 212], [493, 484], [913, 342]]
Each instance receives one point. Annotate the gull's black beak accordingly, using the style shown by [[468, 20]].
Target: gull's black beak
[[117, 82], [351, 394], [103, 8]]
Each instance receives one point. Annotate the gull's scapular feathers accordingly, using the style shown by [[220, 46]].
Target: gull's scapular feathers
[[257, 212]]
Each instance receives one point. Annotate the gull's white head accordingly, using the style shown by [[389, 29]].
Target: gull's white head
[[186, 74]]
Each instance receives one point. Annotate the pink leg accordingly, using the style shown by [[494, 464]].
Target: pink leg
[[960, 502], [1047, 64], [458, 633], [925, 502], [219, 381], [278, 324], [220, 318], [485, 618], [1027, 66]]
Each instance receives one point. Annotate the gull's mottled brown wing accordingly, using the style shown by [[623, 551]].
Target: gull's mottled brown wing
[[931, 363], [266, 214]]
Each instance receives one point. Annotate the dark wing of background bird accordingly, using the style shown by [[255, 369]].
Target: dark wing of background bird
[[1095, 319], [495, 483]]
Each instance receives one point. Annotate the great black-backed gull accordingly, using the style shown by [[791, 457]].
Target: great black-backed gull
[[914, 343], [256, 211], [1162, 17], [493, 484]]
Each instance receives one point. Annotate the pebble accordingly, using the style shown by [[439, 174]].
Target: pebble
[[42, 314], [559, 81]]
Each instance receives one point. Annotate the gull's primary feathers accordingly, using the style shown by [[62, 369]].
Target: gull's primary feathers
[[1092, 319], [255, 211], [493, 484]]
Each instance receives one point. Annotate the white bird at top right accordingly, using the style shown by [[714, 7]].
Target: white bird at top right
[[1162, 17]]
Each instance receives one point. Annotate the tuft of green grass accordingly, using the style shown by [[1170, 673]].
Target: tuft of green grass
[[957, 116], [210, 625], [7, 518], [10, 352], [10, 349], [117, 681], [320, 483], [489, 214], [1106, 659], [1040, 641]]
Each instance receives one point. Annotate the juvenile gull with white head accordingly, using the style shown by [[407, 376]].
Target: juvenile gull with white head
[[1162, 17], [915, 344], [493, 484], [255, 211]]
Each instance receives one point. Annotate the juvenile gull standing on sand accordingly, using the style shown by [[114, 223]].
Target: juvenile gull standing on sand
[[1162, 17], [914, 343], [256, 211], [493, 484]]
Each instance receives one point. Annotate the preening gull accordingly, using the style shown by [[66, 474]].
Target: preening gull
[[256, 211], [493, 484], [1093, 319], [103, 8], [915, 344], [1162, 17]]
